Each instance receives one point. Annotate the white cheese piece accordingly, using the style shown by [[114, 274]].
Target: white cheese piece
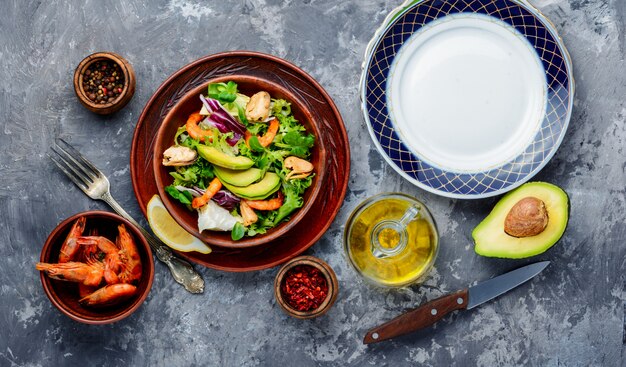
[[213, 217]]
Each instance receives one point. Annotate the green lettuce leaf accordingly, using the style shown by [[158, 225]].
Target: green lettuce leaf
[[223, 92], [184, 197]]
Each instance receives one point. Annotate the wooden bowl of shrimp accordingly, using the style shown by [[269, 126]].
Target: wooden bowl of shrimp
[[96, 267]]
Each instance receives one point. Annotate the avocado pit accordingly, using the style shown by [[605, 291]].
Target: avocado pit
[[527, 218]]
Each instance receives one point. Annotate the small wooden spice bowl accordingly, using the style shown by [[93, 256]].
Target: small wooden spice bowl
[[128, 89], [327, 272]]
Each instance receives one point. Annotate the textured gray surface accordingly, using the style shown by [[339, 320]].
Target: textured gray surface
[[572, 314]]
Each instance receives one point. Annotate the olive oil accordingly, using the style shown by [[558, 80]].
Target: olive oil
[[391, 240]]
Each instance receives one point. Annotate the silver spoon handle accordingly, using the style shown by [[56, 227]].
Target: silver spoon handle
[[181, 270]]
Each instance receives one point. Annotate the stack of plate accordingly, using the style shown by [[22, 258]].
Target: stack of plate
[[311, 104], [467, 98]]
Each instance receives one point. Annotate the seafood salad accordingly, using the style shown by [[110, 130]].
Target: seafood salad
[[106, 272], [242, 162]]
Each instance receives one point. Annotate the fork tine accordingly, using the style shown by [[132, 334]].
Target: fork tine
[[81, 185], [71, 164], [71, 161], [75, 153]]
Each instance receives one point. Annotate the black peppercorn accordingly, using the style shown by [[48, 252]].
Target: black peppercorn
[[102, 81]]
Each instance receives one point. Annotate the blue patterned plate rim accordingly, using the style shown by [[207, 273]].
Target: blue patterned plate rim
[[473, 185]]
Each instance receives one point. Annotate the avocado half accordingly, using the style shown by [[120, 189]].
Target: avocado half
[[490, 237], [223, 160], [257, 191]]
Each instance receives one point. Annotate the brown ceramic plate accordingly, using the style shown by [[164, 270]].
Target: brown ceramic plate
[[191, 103], [64, 295], [331, 131]]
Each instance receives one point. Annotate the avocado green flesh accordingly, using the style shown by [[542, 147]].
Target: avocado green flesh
[[224, 160], [258, 191], [238, 178], [491, 240]]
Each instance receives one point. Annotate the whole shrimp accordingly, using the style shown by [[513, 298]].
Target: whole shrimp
[[112, 261], [271, 204], [109, 294], [129, 256], [70, 248], [195, 131], [247, 208], [87, 274]]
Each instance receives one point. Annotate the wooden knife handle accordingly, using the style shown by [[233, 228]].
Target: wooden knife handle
[[418, 318]]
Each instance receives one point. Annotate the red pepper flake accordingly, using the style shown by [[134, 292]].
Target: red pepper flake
[[304, 288]]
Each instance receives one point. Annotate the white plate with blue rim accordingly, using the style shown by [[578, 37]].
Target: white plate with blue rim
[[467, 98]]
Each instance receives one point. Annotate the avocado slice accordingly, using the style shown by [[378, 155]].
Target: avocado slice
[[491, 238], [238, 178], [224, 160], [258, 191]]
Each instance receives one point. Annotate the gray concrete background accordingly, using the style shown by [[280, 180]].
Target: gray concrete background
[[572, 314]]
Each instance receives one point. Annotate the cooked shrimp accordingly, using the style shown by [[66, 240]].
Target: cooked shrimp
[[131, 262], [109, 294], [85, 290], [90, 252], [272, 204], [203, 200], [90, 275], [248, 215], [269, 136], [89, 256], [112, 262], [194, 130], [70, 248], [299, 167]]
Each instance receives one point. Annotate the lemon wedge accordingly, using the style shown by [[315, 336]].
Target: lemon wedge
[[170, 232]]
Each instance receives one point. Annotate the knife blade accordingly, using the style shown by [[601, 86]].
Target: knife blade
[[433, 311]]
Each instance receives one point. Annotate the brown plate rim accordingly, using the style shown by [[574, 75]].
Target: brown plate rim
[[341, 130]]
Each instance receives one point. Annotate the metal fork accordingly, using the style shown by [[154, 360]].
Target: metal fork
[[96, 185]]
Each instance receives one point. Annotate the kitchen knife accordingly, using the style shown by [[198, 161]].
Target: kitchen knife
[[469, 298]]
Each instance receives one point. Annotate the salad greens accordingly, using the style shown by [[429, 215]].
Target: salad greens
[[232, 101], [238, 232], [184, 197], [223, 92], [233, 135]]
